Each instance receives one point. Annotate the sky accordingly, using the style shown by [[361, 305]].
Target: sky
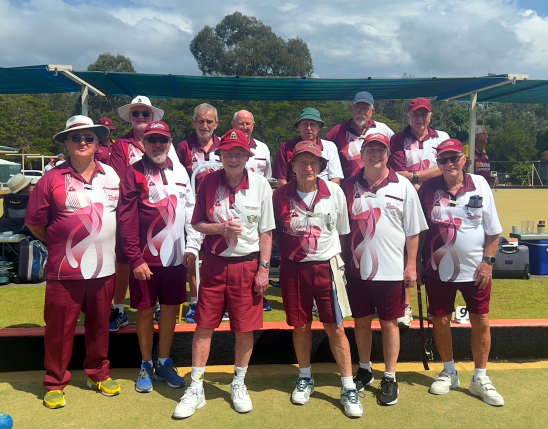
[[346, 38]]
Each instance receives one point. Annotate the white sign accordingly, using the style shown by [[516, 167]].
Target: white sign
[[462, 315]]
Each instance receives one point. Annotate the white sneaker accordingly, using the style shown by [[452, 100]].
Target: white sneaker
[[192, 400], [303, 390], [444, 382], [240, 398], [407, 318], [351, 403], [484, 389]]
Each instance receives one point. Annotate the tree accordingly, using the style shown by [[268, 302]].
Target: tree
[[244, 46], [110, 63]]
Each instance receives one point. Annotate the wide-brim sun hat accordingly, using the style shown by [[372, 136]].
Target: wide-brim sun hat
[[140, 100], [310, 113], [81, 122], [18, 183]]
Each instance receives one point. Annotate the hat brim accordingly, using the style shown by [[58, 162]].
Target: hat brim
[[125, 110], [323, 161], [100, 131], [157, 132], [311, 119], [228, 147], [21, 185], [429, 109]]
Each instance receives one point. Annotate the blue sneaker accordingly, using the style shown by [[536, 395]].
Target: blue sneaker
[[225, 318], [191, 314], [144, 381], [266, 305], [168, 373], [117, 320]]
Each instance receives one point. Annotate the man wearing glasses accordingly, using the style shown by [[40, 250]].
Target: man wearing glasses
[[461, 244], [155, 211], [73, 211], [413, 155]]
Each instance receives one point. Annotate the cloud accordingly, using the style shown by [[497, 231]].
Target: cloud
[[346, 38]]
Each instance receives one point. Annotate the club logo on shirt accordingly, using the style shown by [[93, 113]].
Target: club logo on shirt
[[252, 218]]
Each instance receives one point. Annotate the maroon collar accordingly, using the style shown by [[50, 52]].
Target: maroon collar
[[194, 143], [323, 192], [151, 164], [67, 168], [431, 134], [467, 185], [252, 143], [391, 178], [244, 184]]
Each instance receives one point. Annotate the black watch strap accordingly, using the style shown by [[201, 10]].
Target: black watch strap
[[489, 259]]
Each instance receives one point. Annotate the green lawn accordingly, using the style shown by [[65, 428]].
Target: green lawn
[[22, 305], [270, 387]]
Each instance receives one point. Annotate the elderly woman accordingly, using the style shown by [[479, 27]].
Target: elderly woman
[[461, 244]]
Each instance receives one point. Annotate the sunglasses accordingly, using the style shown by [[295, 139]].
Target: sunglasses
[[153, 140], [77, 138], [143, 113], [452, 159]]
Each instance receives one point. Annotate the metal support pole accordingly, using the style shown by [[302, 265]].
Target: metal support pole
[[472, 135], [84, 100]]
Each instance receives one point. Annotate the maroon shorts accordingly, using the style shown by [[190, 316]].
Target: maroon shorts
[[387, 298], [441, 297], [167, 286], [227, 283], [301, 282]]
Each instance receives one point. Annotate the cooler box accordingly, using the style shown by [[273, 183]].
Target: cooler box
[[538, 256], [512, 262]]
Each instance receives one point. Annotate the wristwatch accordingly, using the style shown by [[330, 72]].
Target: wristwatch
[[489, 259], [415, 179], [265, 264]]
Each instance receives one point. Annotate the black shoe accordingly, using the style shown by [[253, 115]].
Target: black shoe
[[388, 395], [363, 378]]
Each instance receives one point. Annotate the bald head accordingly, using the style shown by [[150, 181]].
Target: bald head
[[243, 120]]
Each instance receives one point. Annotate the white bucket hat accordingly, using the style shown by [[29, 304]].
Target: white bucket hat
[[81, 122], [140, 100], [18, 183]]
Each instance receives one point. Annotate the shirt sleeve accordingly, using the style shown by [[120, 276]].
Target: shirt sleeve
[[200, 209], [332, 134], [397, 154], [413, 217], [268, 170], [266, 223], [491, 221], [184, 158], [38, 208], [193, 237], [281, 163], [334, 169], [118, 159], [128, 219], [343, 225]]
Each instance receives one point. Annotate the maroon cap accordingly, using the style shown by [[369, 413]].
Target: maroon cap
[[449, 145], [309, 146], [376, 137], [234, 139], [419, 103], [107, 122], [159, 127]]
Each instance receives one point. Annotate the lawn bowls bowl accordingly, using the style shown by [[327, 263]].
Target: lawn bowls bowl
[[6, 422]]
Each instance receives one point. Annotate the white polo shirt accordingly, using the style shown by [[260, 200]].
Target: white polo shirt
[[456, 238], [249, 204], [310, 233], [333, 169], [260, 161], [381, 219]]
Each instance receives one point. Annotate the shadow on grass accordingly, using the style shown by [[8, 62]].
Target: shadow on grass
[[25, 325]]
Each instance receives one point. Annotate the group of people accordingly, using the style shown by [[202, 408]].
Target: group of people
[[353, 234]]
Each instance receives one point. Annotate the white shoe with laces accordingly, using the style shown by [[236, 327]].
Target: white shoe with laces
[[484, 389], [303, 389], [240, 398], [407, 318], [192, 400], [444, 383], [351, 403]]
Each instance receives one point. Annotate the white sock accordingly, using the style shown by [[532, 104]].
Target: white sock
[[478, 372], [449, 367], [193, 300], [366, 366], [348, 383], [149, 361], [305, 372], [391, 375], [162, 360], [197, 377], [121, 307], [239, 375]]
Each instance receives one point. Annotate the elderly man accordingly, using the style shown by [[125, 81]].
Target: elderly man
[[260, 161], [156, 207], [309, 124], [128, 150], [412, 154], [461, 244], [348, 136], [105, 146], [195, 150], [234, 211], [482, 166], [310, 215], [386, 218], [73, 210]]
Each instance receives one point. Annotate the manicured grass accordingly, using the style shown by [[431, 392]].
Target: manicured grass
[[270, 387], [22, 305]]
